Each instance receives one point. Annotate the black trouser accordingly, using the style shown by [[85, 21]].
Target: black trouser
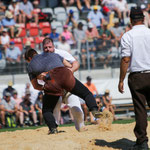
[[139, 84], [83, 92], [49, 103]]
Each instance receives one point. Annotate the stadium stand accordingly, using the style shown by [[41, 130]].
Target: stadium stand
[[33, 29]]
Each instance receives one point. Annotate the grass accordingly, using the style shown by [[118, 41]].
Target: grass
[[125, 121]]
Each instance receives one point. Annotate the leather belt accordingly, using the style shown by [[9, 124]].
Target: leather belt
[[144, 71]]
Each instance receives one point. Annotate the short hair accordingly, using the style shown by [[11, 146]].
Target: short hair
[[47, 40], [30, 53]]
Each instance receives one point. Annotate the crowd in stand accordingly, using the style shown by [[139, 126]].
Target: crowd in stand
[[24, 108], [92, 28]]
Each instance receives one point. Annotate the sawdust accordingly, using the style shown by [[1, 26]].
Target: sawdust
[[120, 137]]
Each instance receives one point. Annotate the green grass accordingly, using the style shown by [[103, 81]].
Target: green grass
[[125, 121]]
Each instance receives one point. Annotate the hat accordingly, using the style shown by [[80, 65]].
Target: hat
[[143, 6], [80, 24], [90, 25], [107, 91], [14, 1], [28, 43], [95, 7], [88, 78], [12, 43], [106, 9], [8, 14], [10, 83], [7, 94], [115, 20], [71, 11], [65, 26], [136, 13], [4, 30]]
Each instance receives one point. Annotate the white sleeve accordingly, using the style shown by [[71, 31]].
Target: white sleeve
[[125, 46], [65, 55]]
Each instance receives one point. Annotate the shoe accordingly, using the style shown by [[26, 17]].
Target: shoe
[[53, 131], [96, 113], [143, 146]]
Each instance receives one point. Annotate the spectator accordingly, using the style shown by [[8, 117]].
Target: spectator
[[66, 116], [71, 20], [2, 9], [9, 23], [27, 111], [15, 10], [113, 6], [87, 5], [1, 27], [105, 45], [96, 17], [64, 45], [8, 107], [38, 107], [128, 27], [48, 3], [91, 36], [18, 101], [68, 36], [16, 98], [26, 8], [116, 32], [54, 35], [26, 47], [80, 37], [33, 93], [93, 90], [147, 17], [91, 86], [123, 8], [4, 39], [107, 102], [106, 14], [13, 54], [66, 3], [9, 89]]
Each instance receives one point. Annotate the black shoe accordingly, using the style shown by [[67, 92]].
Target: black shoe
[[53, 131], [96, 113], [142, 146]]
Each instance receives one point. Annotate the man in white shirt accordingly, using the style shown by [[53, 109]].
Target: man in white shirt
[[135, 57]]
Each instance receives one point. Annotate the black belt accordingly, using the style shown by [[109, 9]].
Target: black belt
[[144, 71]]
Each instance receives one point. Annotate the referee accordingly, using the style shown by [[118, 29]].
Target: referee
[[135, 53]]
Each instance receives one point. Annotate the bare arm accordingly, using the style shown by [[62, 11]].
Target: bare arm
[[123, 70], [75, 66], [67, 64]]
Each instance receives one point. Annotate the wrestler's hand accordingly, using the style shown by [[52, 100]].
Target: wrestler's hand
[[121, 87]]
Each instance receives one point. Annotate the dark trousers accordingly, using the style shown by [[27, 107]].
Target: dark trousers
[[139, 84], [81, 91], [49, 103]]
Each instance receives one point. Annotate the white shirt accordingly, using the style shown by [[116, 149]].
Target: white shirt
[[65, 55], [136, 44], [5, 39], [64, 46], [121, 5], [15, 10]]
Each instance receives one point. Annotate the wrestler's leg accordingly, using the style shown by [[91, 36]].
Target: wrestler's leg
[[76, 110], [83, 92], [49, 103]]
